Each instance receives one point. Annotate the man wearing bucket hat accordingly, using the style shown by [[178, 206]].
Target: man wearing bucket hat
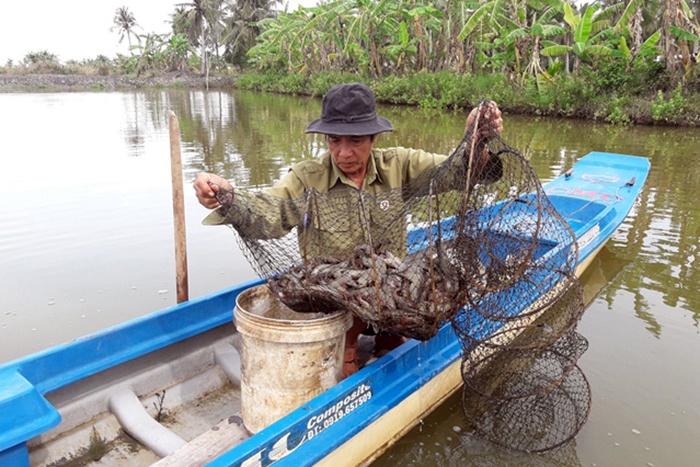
[[350, 123]]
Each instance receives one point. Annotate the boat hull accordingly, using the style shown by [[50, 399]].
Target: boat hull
[[350, 424]]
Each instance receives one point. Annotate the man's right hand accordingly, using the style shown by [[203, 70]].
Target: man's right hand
[[206, 185]]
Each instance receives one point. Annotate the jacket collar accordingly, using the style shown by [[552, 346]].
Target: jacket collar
[[372, 175]]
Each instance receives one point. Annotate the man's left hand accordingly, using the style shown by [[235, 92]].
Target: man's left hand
[[490, 122]]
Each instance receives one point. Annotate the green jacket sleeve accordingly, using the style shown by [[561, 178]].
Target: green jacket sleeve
[[259, 215]]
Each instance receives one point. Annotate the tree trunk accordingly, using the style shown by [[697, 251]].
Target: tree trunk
[[636, 29], [669, 19], [203, 53], [421, 44]]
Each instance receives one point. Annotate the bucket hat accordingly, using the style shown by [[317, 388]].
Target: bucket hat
[[349, 110]]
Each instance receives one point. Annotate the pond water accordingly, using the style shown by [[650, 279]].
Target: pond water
[[86, 242]]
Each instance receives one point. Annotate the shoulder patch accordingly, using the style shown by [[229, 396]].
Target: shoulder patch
[[391, 153]]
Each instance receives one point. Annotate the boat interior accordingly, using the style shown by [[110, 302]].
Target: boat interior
[[182, 403]]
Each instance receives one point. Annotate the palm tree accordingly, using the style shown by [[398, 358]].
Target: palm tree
[[241, 27], [179, 20], [124, 24], [203, 20]]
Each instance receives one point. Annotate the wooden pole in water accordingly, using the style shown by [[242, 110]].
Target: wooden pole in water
[[178, 211]]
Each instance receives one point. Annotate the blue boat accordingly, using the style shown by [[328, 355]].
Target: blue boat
[[77, 400]]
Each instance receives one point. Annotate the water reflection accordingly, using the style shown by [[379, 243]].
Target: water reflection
[[438, 444], [86, 229], [648, 270], [649, 261], [439, 440], [253, 138]]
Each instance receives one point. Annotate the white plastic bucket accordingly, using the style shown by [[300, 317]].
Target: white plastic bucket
[[287, 358]]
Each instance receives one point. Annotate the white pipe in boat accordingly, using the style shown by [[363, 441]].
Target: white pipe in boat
[[229, 360], [136, 421]]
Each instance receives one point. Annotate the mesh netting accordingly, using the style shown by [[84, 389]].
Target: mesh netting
[[473, 241], [527, 398]]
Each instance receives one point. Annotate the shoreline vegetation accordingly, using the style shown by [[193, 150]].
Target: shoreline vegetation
[[58, 82], [570, 98], [621, 62]]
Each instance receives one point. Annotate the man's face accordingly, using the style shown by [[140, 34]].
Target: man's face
[[350, 153]]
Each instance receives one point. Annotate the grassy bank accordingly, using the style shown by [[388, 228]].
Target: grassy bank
[[613, 98], [599, 98]]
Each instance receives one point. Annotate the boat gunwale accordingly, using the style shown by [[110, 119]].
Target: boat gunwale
[[337, 434], [28, 375]]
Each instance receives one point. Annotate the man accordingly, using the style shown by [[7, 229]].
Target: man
[[351, 125]]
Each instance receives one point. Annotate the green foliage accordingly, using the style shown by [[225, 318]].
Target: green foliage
[[551, 57], [609, 76], [294, 83], [159, 53], [177, 53], [43, 62], [616, 113], [319, 84], [589, 36], [669, 110], [257, 81], [395, 89], [444, 89], [641, 76], [564, 95], [683, 34], [428, 90], [40, 57]]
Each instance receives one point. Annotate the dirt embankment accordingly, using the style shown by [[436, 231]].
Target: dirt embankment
[[56, 82]]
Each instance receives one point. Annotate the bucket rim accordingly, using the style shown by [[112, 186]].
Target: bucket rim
[[338, 315]]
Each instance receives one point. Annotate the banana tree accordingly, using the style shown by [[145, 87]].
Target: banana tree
[[631, 22], [398, 52], [320, 38], [678, 30], [368, 27], [508, 33], [427, 22], [451, 51], [674, 21], [150, 56], [585, 35], [534, 27], [271, 49], [176, 52], [324, 33], [480, 27]]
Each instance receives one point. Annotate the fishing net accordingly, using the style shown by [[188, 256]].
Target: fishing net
[[529, 394], [473, 241]]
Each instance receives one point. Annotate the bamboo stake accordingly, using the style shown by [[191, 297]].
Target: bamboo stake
[[178, 211]]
